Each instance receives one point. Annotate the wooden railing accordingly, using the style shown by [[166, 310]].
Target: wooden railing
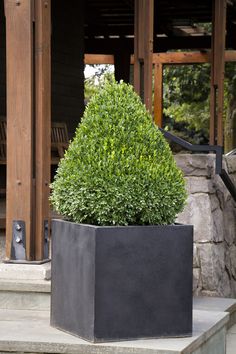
[[159, 60]]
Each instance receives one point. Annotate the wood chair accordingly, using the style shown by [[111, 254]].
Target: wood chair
[[59, 141]]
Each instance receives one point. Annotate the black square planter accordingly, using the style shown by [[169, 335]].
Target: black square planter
[[118, 283]]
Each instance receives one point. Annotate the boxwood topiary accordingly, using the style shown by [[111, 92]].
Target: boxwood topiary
[[118, 170]]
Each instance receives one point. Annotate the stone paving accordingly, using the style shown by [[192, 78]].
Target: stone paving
[[21, 316], [27, 331]]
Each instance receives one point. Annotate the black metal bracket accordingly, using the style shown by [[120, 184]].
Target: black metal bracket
[[18, 248], [218, 150], [46, 240], [18, 245]]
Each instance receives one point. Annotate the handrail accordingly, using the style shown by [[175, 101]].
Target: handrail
[[232, 152], [206, 148]]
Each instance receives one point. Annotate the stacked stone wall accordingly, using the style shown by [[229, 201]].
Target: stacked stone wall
[[212, 211]]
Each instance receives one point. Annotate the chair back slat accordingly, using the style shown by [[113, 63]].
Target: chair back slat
[[59, 140]]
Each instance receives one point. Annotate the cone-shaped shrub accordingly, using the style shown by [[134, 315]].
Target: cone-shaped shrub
[[118, 170]]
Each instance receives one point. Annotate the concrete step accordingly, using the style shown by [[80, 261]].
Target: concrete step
[[217, 304], [25, 286], [24, 331], [25, 295], [231, 340]]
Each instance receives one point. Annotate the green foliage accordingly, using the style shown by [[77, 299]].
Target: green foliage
[[119, 169], [92, 84], [186, 83], [196, 115], [187, 97]]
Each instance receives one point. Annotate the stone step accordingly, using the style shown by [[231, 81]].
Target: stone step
[[25, 325], [25, 295], [25, 286], [217, 304], [29, 332]]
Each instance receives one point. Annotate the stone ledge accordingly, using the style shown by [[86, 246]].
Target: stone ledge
[[214, 304], [29, 331], [196, 164], [14, 300], [37, 286], [217, 304], [25, 271]]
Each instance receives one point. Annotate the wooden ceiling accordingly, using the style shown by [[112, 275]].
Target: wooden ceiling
[[110, 23]]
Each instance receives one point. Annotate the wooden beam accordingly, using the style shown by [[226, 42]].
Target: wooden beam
[[181, 58], [19, 43], [158, 95], [230, 55], [217, 72], [190, 57], [43, 122], [143, 49], [98, 59], [169, 58]]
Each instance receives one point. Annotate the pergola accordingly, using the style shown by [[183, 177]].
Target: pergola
[[118, 28]]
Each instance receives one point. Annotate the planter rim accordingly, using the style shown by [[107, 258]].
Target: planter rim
[[123, 226]]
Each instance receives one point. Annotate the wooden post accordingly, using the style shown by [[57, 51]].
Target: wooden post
[[28, 123], [43, 122], [217, 71], [138, 46], [143, 49], [158, 94], [19, 46]]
